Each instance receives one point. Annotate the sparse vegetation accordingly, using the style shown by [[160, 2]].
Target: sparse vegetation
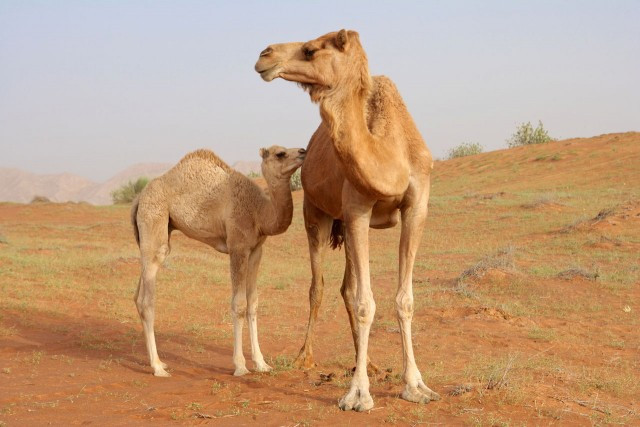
[[254, 175], [40, 199], [502, 260], [465, 149], [526, 134], [579, 272], [296, 181], [129, 191]]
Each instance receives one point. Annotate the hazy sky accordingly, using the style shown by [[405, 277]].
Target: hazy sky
[[91, 87]]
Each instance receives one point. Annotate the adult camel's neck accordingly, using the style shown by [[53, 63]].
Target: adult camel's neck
[[276, 213], [375, 165]]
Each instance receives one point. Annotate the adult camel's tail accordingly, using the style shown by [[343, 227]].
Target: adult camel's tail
[[337, 234], [134, 220]]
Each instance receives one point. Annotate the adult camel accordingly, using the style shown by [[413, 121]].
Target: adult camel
[[366, 166]]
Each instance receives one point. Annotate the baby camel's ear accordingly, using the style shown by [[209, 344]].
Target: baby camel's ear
[[264, 153]]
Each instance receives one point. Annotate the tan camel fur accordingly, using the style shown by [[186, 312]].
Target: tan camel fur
[[210, 202], [366, 165]]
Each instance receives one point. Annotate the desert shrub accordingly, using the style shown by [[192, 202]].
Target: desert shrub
[[127, 192], [465, 149], [525, 134], [296, 181], [502, 260], [253, 175], [40, 199], [3, 240]]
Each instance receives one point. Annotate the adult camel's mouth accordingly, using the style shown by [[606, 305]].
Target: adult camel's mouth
[[269, 73]]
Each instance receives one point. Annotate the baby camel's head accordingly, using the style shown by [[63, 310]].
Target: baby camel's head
[[280, 163]]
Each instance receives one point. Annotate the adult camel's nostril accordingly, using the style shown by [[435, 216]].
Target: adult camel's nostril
[[266, 52]]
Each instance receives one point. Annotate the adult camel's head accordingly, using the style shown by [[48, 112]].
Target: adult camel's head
[[331, 64]]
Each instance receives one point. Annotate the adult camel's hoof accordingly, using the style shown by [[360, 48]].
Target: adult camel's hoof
[[304, 361], [241, 371], [263, 367], [357, 399], [160, 372], [164, 365], [419, 394]]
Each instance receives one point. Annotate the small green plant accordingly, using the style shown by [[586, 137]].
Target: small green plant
[[253, 175], [525, 134], [465, 149], [296, 181], [128, 192]]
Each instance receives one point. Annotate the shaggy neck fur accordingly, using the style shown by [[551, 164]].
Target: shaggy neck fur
[[368, 161]]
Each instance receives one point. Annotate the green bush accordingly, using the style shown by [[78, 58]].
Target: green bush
[[525, 135], [296, 181], [127, 192], [465, 149]]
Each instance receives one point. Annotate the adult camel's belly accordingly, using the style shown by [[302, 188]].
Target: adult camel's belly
[[323, 180]]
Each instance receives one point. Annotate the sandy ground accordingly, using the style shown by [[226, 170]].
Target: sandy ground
[[544, 330]]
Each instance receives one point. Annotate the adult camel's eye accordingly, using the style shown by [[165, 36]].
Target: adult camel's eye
[[281, 155], [308, 53]]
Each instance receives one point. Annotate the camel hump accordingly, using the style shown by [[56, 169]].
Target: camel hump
[[208, 156]]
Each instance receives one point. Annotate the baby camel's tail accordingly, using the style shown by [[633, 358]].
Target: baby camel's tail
[[134, 220]]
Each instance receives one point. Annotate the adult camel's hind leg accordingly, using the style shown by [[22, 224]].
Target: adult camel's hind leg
[[414, 215], [318, 227], [252, 308], [154, 248]]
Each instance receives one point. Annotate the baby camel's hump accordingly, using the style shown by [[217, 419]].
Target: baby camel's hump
[[197, 196]]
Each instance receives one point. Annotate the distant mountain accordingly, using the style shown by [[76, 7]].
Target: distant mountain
[[21, 186], [248, 167], [100, 194]]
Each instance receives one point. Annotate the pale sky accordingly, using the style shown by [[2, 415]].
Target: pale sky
[[91, 87]]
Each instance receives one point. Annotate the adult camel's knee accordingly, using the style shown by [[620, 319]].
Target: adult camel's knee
[[239, 307], [365, 310], [404, 305]]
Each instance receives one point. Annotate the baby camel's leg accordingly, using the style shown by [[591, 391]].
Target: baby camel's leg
[[154, 247], [239, 267], [252, 306]]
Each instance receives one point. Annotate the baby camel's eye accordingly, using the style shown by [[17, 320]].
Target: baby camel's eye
[[308, 53], [281, 155]]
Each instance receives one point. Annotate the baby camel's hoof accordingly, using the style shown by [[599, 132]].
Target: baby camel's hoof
[[241, 371], [358, 400], [420, 394]]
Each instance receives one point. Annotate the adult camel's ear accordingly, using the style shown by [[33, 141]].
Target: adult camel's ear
[[342, 39], [264, 153]]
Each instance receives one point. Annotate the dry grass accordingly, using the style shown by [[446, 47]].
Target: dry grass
[[574, 272]]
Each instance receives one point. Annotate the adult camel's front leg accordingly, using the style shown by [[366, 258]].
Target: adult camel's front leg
[[252, 308], [348, 291], [239, 266], [414, 215], [357, 214], [318, 227]]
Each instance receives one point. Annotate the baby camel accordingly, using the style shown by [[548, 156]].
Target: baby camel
[[210, 202]]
